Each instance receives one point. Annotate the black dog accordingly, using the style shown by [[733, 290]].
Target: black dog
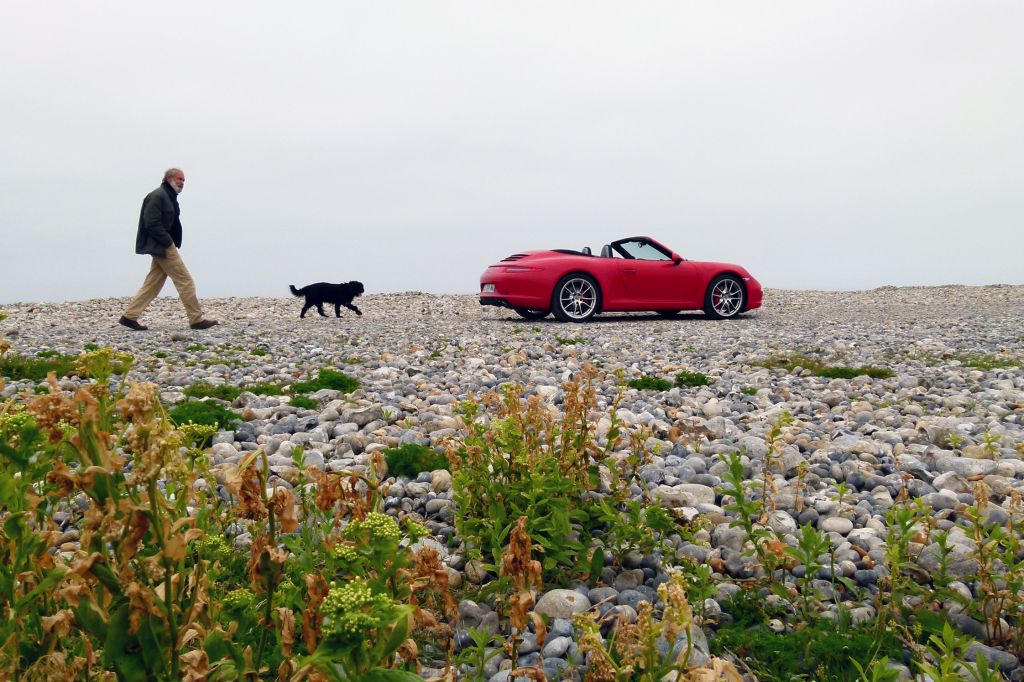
[[323, 292]]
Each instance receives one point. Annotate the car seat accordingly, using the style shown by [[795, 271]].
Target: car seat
[[586, 251], [606, 251]]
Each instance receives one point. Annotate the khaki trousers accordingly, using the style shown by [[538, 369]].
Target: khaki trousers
[[171, 266]]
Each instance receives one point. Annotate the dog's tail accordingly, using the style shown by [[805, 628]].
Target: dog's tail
[[297, 292]]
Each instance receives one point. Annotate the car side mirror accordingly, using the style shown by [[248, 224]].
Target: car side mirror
[[676, 258]]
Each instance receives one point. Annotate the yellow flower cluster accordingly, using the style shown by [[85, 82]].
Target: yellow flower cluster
[[380, 528], [352, 608]]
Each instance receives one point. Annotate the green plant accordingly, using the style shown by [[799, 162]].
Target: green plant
[[630, 525], [329, 379], [409, 459], [818, 650], [748, 390], [195, 347], [529, 463], [202, 389], [569, 340], [89, 347], [204, 412], [304, 402], [198, 434], [259, 351], [155, 589], [264, 389], [649, 383], [159, 354], [988, 362], [19, 368], [811, 544], [649, 650], [819, 368], [477, 655], [841, 372], [48, 353], [691, 379]]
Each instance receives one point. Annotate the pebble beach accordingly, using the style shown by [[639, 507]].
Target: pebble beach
[[950, 415]]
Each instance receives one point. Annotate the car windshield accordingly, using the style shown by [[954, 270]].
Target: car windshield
[[641, 250]]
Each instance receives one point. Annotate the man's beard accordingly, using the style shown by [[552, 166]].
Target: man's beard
[[175, 186]]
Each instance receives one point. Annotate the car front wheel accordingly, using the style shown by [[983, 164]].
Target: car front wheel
[[576, 298], [528, 314], [725, 297]]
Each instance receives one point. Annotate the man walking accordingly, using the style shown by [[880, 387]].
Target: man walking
[[160, 237]]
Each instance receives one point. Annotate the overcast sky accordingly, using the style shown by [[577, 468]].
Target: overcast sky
[[822, 145]]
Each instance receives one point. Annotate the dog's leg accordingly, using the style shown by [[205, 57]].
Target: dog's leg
[[304, 309], [320, 309], [337, 310], [353, 308]]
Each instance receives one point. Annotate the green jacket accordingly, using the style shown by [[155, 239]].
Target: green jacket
[[159, 222]]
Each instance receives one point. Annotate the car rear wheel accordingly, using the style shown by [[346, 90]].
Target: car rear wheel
[[576, 298], [528, 314], [725, 298]]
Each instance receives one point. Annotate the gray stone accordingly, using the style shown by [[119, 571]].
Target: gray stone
[[561, 604]]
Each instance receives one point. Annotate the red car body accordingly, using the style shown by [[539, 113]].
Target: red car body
[[636, 273]]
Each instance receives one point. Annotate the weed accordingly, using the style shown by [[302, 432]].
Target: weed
[[259, 351], [649, 650], [204, 412], [18, 368], [202, 389], [649, 383], [841, 372], [569, 340], [410, 459], [819, 368], [989, 362], [691, 379], [748, 390], [159, 354], [48, 353], [329, 379], [265, 389], [817, 651], [195, 347], [89, 347], [304, 402]]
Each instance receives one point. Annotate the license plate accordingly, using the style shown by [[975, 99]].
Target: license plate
[[489, 289]]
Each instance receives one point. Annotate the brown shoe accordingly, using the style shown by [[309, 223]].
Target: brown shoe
[[203, 324], [132, 324]]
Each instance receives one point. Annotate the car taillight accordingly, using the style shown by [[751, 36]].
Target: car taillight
[[521, 268], [488, 289]]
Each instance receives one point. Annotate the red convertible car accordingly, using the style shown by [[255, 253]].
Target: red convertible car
[[636, 273]]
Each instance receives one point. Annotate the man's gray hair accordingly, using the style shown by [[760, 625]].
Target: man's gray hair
[[171, 171]]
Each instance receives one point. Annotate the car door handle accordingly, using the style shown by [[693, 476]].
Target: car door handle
[[629, 271]]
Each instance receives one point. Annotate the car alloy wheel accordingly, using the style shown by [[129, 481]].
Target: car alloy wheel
[[577, 298], [725, 297]]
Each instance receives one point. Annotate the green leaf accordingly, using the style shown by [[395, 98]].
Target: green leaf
[[399, 633], [15, 526], [51, 579], [123, 651], [596, 563], [91, 620]]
